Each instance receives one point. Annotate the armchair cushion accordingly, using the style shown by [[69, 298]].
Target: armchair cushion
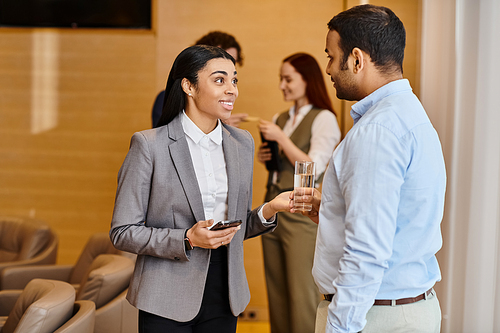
[[108, 275], [8, 299], [117, 316], [21, 238], [25, 241], [98, 243], [18, 277], [42, 307], [83, 320]]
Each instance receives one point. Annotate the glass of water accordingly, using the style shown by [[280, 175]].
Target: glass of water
[[303, 183]]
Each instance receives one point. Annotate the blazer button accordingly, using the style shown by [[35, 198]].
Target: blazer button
[[177, 258]]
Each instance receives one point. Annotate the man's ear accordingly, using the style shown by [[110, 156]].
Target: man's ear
[[187, 87], [358, 59]]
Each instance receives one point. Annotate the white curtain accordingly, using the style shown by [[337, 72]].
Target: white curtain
[[460, 90]]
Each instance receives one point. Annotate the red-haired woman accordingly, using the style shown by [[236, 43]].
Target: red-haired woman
[[307, 131]]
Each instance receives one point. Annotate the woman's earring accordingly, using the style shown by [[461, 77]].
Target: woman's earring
[[190, 94]]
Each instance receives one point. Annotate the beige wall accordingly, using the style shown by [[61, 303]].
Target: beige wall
[[71, 99]]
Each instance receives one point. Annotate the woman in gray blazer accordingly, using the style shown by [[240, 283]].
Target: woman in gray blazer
[[175, 181]]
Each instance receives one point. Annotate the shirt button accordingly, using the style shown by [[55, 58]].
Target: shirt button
[[213, 195], [209, 175]]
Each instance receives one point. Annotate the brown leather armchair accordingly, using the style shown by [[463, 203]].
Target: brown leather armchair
[[118, 308], [106, 284], [99, 243], [42, 307], [83, 319], [103, 279], [26, 241]]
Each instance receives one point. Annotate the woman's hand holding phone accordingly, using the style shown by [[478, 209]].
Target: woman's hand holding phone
[[201, 236]]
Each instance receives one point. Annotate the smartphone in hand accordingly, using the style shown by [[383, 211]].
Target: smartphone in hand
[[224, 224]]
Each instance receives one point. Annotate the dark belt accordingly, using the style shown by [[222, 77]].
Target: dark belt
[[401, 301]]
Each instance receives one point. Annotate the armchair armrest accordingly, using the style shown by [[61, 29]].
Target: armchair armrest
[[118, 316], [18, 277], [7, 300]]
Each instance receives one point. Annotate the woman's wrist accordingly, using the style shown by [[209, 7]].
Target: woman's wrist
[[283, 139], [188, 245], [268, 211], [189, 234]]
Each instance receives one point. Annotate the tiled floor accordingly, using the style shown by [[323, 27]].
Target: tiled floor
[[253, 327]]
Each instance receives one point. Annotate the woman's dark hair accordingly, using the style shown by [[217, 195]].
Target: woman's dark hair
[[375, 30], [310, 71], [187, 65], [222, 40]]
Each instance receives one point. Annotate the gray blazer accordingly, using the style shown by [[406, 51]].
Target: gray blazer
[[158, 198]]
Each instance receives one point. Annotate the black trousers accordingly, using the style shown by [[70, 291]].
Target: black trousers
[[215, 313]]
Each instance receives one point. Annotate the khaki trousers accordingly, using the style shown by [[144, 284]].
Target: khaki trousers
[[288, 259], [420, 317]]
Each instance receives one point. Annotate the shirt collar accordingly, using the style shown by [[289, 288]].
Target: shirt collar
[[196, 134], [360, 108], [303, 110]]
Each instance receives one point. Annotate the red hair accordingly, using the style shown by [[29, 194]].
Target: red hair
[[308, 68]]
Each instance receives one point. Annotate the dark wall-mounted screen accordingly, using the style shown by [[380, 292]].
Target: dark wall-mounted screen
[[129, 14]]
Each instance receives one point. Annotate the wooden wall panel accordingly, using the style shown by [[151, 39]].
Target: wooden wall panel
[[66, 173]]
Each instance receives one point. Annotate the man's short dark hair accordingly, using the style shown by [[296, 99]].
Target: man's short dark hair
[[375, 30]]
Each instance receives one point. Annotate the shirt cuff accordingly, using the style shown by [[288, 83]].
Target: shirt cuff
[[263, 220]]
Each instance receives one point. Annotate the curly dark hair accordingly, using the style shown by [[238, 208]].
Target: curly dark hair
[[222, 40]]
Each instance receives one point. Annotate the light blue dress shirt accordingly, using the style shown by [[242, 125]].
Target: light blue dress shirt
[[382, 205]]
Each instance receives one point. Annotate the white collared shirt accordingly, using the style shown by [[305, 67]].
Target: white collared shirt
[[325, 134], [210, 167]]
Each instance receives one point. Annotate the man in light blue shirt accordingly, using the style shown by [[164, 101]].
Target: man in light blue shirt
[[383, 191]]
